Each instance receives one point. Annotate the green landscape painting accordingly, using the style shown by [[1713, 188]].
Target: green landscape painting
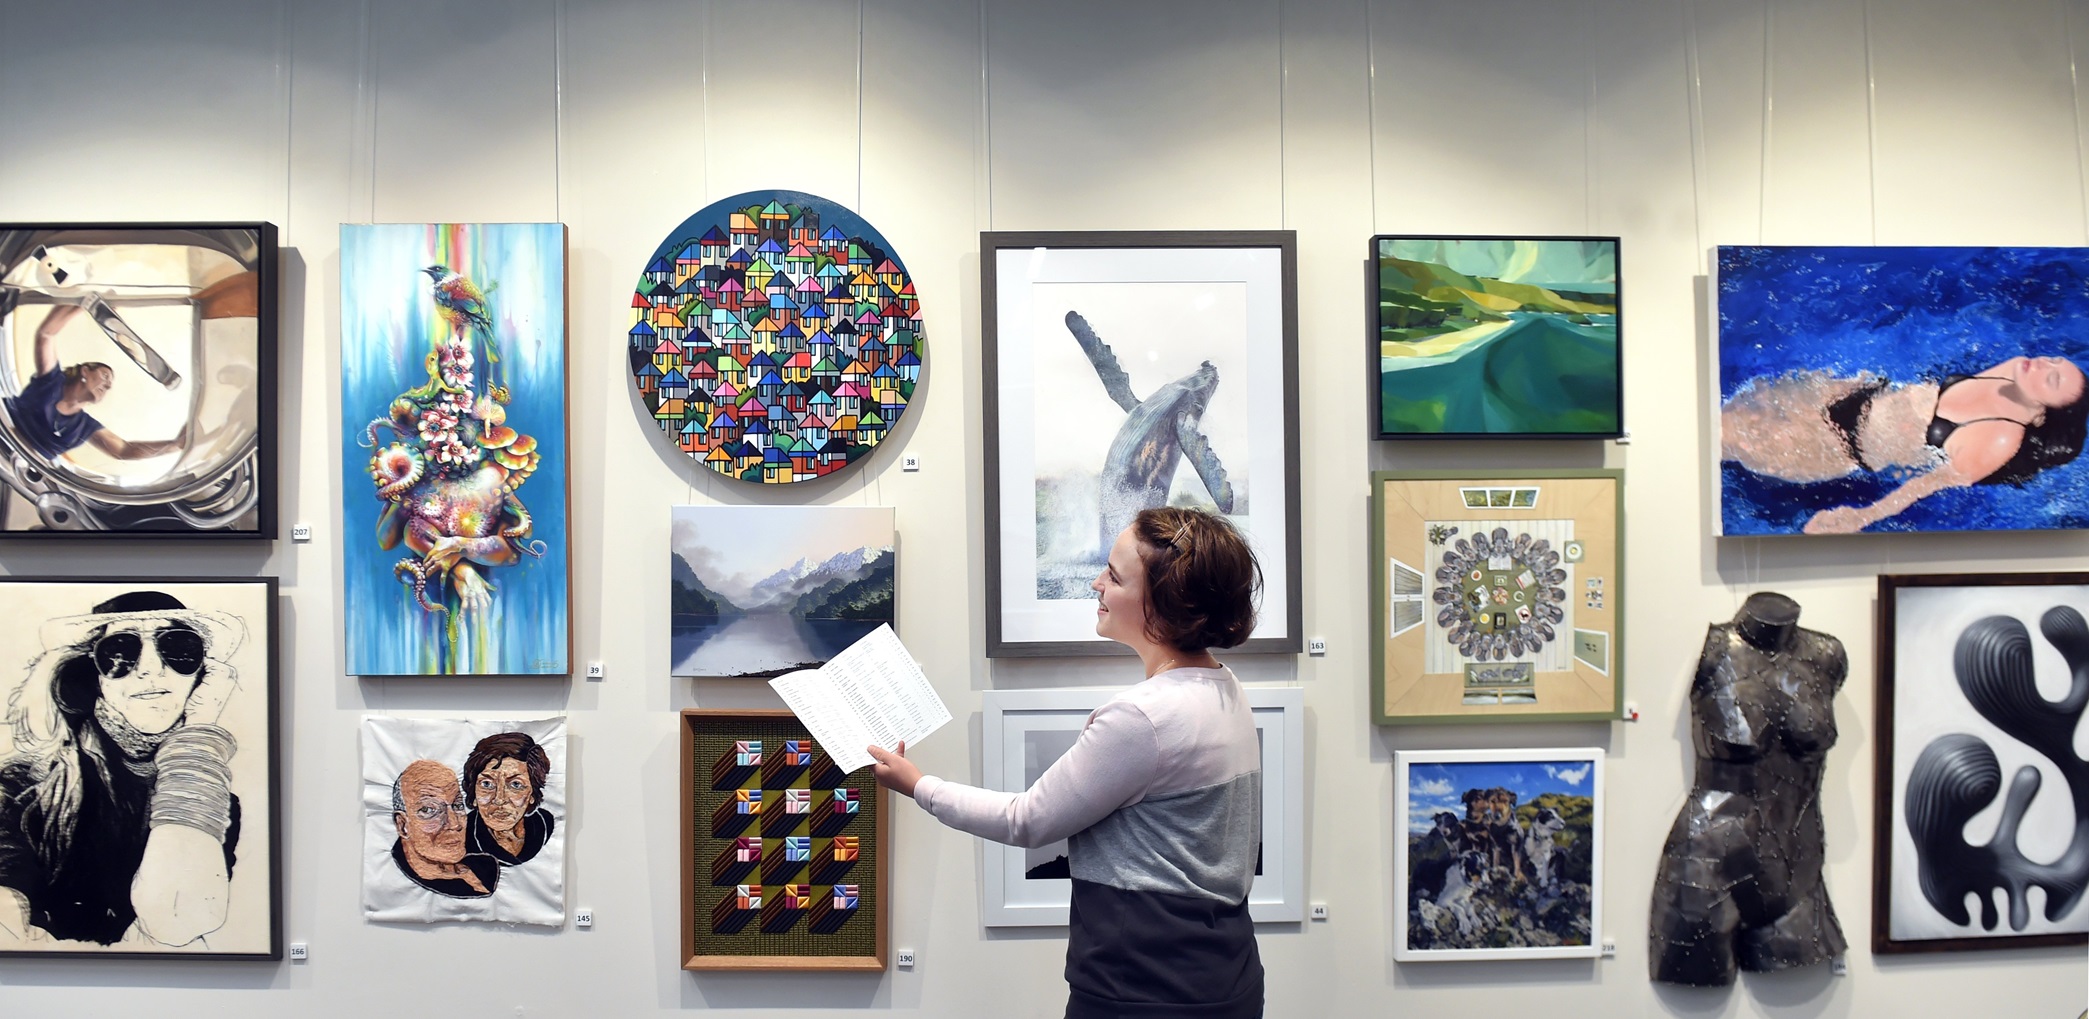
[[1497, 336]]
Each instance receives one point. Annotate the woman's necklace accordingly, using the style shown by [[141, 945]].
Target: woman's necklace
[[1173, 662]]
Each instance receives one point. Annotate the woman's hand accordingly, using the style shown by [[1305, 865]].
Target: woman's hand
[[207, 701], [1840, 520], [893, 770]]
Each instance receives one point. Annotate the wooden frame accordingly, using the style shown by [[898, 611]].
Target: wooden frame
[[251, 713], [1235, 294], [1009, 716], [1420, 520], [693, 948], [1446, 363], [1932, 737], [226, 492], [1499, 770]]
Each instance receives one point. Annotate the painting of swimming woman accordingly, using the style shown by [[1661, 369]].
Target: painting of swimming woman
[[1902, 389]]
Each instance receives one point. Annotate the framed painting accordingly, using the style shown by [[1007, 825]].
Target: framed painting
[[153, 701], [453, 449], [1981, 675], [1125, 371], [760, 591], [138, 380], [1900, 389], [786, 861], [1497, 596], [1026, 731], [1500, 854], [1497, 337], [462, 820], [775, 337]]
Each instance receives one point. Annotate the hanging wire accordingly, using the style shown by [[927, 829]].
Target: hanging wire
[[859, 108], [283, 90], [1371, 108], [366, 104], [558, 110], [1588, 118], [1871, 122], [1283, 190], [1762, 193], [2074, 92], [1694, 73], [986, 118]]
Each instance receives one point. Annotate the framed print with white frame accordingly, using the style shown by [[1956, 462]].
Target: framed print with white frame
[[1497, 596], [1025, 731], [1499, 854], [1125, 371]]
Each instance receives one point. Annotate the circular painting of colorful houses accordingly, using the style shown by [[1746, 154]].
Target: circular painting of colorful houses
[[775, 337]]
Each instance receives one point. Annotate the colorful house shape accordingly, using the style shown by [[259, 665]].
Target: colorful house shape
[[740, 228], [673, 386], [908, 366], [713, 243], [660, 270]]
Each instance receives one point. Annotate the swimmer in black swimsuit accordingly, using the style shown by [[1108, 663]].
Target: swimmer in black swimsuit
[[2000, 426]]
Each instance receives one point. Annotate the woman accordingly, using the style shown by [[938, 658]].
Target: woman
[[117, 821], [2001, 426], [504, 790], [1160, 798]]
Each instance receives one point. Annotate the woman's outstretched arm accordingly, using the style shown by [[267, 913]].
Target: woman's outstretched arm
[[1972, 453]]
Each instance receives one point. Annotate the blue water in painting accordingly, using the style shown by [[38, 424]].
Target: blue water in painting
[[387, 319], [1909, 315], [764, 644]]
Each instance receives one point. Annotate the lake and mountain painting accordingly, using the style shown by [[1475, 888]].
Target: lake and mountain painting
[[1497, 336], [759, 591]]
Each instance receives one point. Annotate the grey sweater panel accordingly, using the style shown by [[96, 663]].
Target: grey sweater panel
[[1201, 843]]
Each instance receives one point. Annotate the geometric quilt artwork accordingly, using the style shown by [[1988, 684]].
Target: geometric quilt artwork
[[775, 337], [785, 846]]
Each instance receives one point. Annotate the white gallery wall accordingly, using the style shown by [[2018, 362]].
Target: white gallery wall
[[1677, 124]]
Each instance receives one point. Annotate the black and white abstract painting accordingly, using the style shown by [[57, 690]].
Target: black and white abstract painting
[[1983, 683]]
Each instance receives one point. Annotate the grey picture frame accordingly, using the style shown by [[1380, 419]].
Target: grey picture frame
[[1281, 619]]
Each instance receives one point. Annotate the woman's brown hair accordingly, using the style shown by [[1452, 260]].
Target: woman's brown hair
[[517, 745], [1202, 579]]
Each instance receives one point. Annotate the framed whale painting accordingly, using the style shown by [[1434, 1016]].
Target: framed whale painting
[[1125, 371]]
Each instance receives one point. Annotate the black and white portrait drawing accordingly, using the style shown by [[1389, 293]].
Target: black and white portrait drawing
[[137, 804], [462, 820]]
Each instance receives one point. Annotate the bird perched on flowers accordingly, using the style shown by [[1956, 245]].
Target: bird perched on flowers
[[459, 301]]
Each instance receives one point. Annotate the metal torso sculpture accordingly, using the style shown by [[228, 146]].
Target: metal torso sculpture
[[1740, 878]]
